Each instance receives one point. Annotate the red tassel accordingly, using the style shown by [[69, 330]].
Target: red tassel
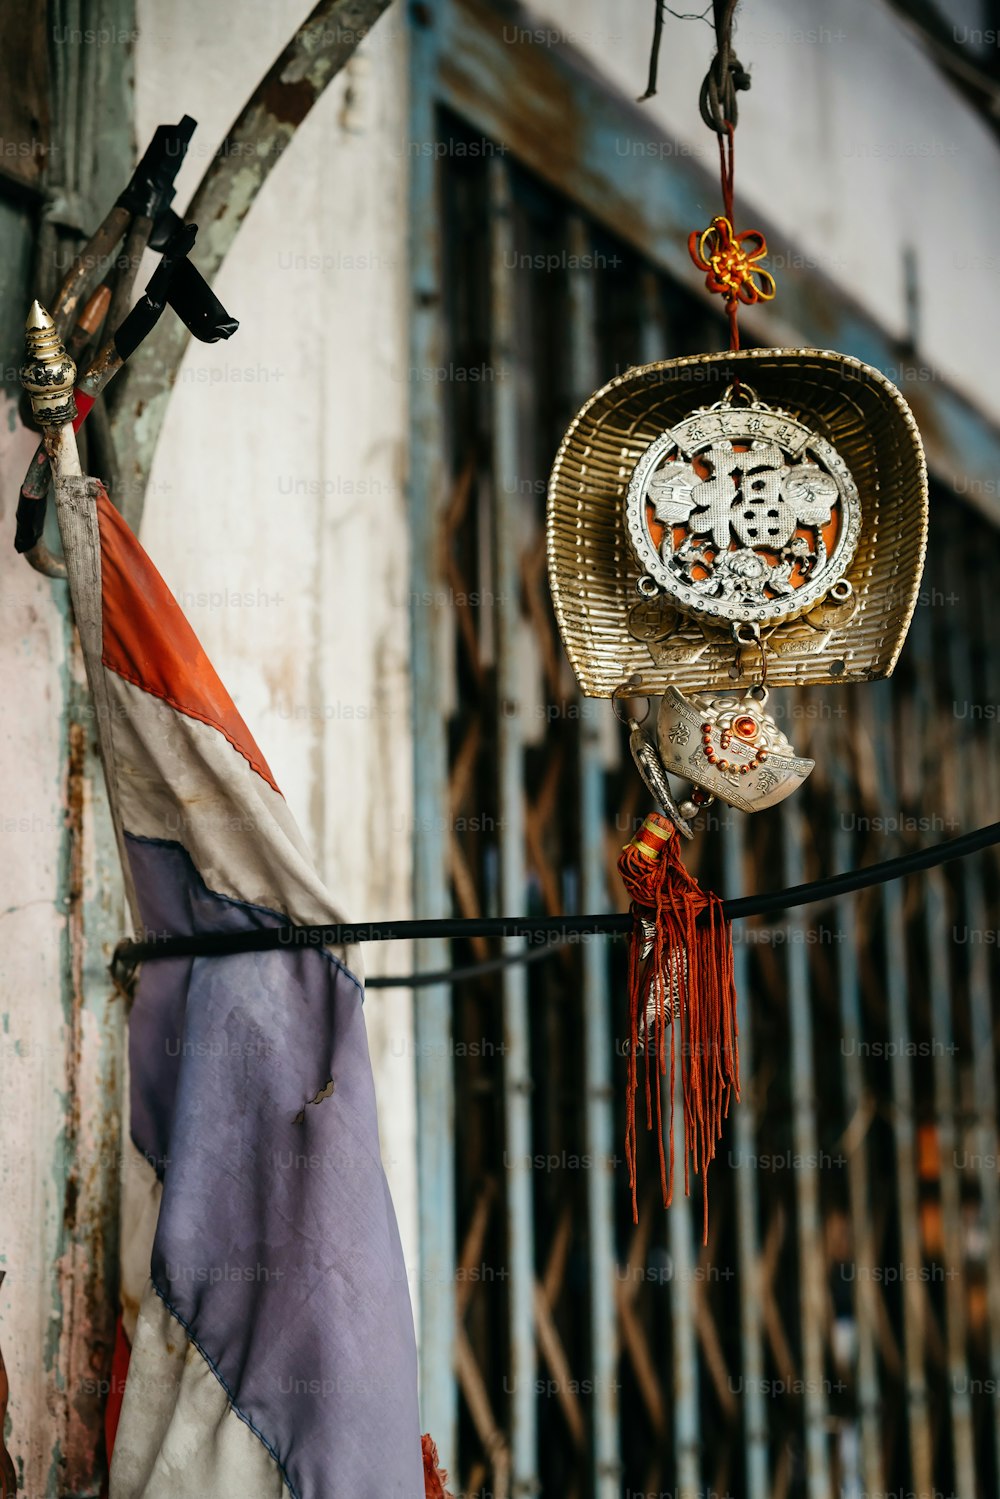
[[685, 980], [435, 1477]]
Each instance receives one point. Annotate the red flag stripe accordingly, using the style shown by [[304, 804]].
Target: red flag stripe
[[148, 641]]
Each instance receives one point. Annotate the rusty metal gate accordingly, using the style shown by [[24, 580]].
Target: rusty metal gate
[[840, 1332]]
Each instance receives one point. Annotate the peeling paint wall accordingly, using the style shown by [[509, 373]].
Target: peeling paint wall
[[60, 1033], [61, 1026], [276, 512], [276, 509]]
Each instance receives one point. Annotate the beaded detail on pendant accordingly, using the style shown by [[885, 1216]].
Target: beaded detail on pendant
[[713, 758]]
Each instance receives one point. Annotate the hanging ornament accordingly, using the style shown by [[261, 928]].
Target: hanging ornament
[[718, 526]]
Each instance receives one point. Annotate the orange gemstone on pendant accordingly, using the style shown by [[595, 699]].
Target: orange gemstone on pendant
[[745, 727]]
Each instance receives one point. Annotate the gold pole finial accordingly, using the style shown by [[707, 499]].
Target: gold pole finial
[[48, 373]]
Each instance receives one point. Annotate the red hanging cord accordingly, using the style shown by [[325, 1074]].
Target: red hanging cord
[[726, 173], [731, 261]]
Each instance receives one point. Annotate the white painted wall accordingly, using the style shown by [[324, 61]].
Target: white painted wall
[[277, 508], [850, 141]]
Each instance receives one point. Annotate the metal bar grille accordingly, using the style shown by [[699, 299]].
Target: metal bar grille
[[981, 916], [506, 362], [595, 968], [755, 1427], [839, 1334], [438, 1318], [858, 1106], [805, 1143]]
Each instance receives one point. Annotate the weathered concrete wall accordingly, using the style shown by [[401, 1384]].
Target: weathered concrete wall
[[276, 513], [61, 1029], [61, 1032], [276, 509], [851, 141]]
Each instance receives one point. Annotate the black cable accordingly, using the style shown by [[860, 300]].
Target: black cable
[[467, 971], [536, 928]]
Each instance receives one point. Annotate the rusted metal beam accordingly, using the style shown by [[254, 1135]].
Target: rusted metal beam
[[968, 790], [595, 962], [504, 356], [876, 704], [755, 1431], [443, 1345], [253, 146], [805, 1137], [856, 1101], [68, 1139], [938, 939]]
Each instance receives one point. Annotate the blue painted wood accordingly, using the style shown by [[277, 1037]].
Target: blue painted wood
[[812, 1268], [91, 158], [876, 702], [595, 960], [855, 1101], [938, 939], [752, 1369], [427, 490], [968, 792], [508, 542]]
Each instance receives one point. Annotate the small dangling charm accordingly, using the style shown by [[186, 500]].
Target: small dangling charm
[[729, 747]]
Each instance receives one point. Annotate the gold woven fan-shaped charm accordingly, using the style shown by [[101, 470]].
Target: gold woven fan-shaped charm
[[707, 512]]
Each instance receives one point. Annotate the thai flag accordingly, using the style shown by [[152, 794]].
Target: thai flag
[[264, 1290]]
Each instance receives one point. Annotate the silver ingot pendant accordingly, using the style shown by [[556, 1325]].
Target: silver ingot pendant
[[730, 747]]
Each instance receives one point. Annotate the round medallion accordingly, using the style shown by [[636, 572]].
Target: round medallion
[[652, 619], [743, 513]]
